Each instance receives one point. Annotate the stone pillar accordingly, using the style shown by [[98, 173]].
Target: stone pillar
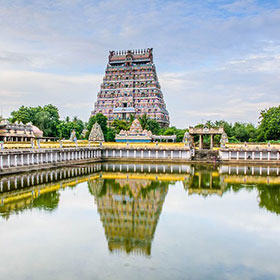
[[134, 153], [127, 153], [200, 141], [164, 154], [180, 154], [253, 155], [245, 155], [229, 155], [16, 163], [237, 155], [211, 141], [114, 153], [171, 154], [1, 162], [260, 155], [156, 153], [278, 155], [142, 154], [8, 161], [268, 155]]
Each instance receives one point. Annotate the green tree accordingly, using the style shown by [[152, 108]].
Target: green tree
[[269, 127], [153, 126], [131, 119], [65, 128], [21, 115], [110, 136], [143, 121], [173, 131], [46, 118], [119, 125]]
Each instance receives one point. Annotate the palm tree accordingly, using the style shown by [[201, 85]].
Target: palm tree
[[144, 121]]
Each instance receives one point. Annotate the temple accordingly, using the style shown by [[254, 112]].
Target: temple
[[13, 132], [134, 134], [131, 88]]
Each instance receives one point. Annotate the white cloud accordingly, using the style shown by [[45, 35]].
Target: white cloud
[[73, 95], [214, 61]]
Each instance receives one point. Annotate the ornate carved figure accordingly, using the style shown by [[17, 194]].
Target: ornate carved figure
[[73, 136], [188, 139], [224, 139]]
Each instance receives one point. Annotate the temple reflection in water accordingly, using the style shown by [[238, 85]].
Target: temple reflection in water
[[129, 210], [130, 197]]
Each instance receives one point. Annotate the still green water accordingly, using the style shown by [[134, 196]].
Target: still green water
[[139, 221]]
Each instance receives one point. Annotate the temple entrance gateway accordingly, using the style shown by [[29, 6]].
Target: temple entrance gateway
[[202, 131]]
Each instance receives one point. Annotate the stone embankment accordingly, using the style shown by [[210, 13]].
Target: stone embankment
[[31, 159], [18, 160]]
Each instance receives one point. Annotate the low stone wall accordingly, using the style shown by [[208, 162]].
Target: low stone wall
[[17, 159], [152, 153], [25, 159], [247, 155], [32, 159]]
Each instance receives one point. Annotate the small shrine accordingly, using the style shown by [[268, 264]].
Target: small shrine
[[224, 140], [96, 134], [188, 140], [18, 132], [134, 134]]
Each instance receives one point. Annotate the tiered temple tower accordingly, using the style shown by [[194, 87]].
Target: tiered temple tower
[[131, 87]]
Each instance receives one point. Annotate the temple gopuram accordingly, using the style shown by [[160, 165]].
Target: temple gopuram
[[131, 87]]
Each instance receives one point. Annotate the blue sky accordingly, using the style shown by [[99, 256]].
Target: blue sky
[[215, 59]]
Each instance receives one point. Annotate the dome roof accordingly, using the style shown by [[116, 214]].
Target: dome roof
[[36, 131]]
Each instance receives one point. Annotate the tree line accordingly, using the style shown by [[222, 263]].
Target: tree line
[[48, 120]]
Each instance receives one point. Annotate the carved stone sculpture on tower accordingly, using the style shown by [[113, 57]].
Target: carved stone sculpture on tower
[[96, 134]]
